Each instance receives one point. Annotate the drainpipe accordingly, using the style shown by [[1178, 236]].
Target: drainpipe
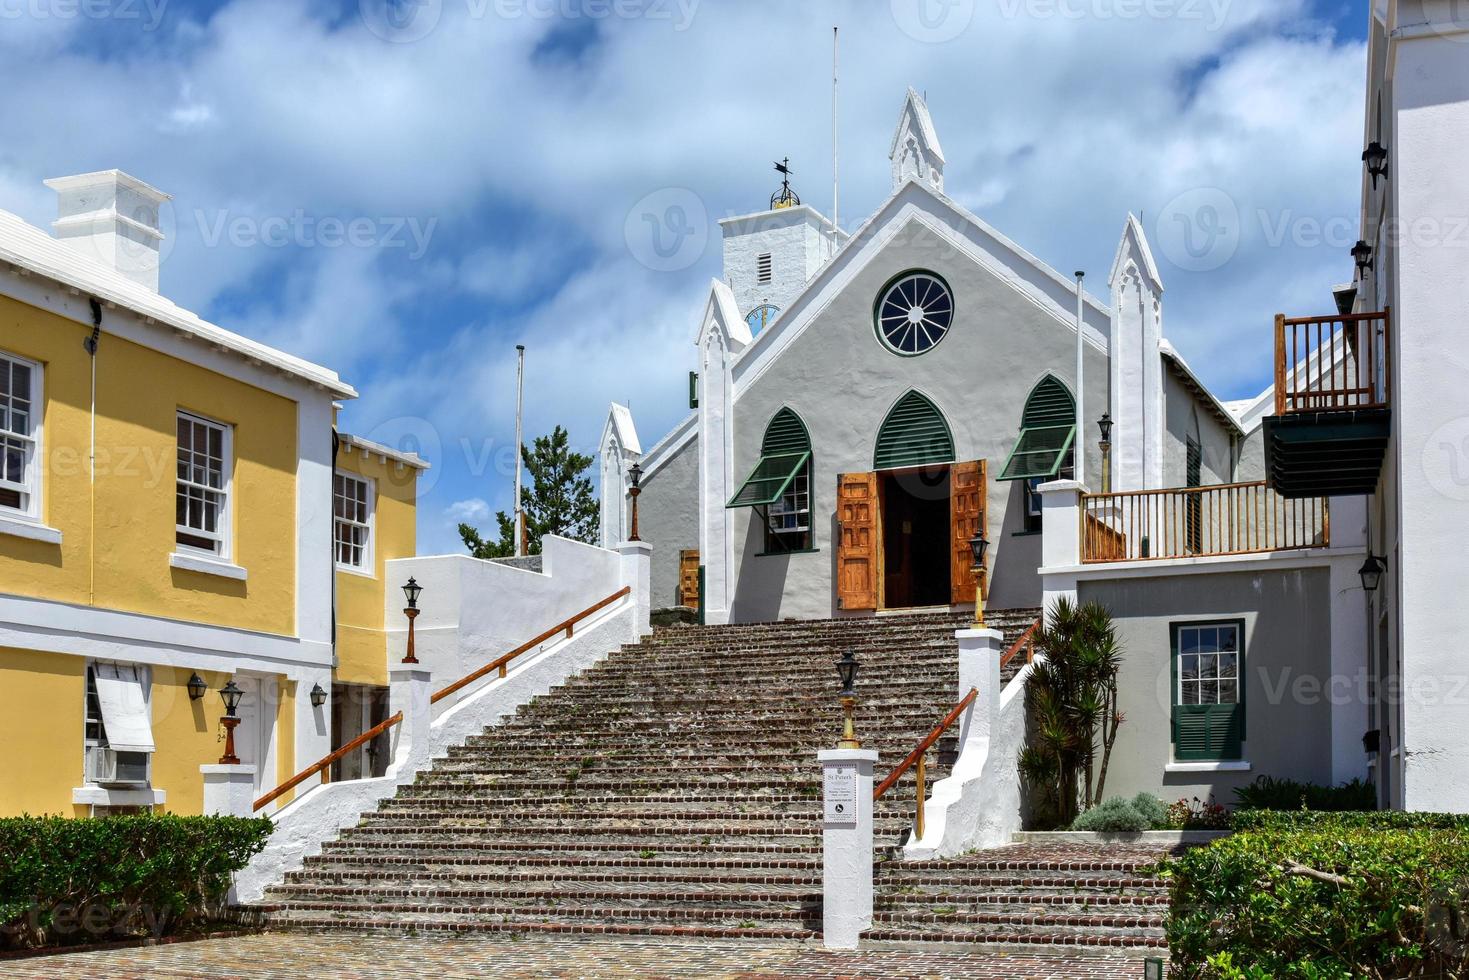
[[332, 565], [91, 344]]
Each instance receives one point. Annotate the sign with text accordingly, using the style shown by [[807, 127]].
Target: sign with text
[[839, 791]]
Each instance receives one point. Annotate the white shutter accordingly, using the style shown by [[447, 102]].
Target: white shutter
[[122, 694]]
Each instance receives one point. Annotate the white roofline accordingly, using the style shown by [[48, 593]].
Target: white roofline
[[667, 447], [1171, 353], [368, 446], [29, 248]]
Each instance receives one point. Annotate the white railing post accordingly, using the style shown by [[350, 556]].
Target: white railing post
[[980, 651], [408, 692], [229, 791], [1060, 538], [637, 574], [846, 848]]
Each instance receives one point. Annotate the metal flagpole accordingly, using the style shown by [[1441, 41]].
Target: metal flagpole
[[519, 402], [1079, 440], [835, 184]]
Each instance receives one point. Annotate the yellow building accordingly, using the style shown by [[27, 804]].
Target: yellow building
[[166, 516]]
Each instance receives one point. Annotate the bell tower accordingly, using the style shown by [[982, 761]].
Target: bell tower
[[770, 255]]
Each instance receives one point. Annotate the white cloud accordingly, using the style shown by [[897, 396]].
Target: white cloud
[[468, 511]]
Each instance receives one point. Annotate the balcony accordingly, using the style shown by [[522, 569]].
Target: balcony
[[1197, 522], [1332, 415]]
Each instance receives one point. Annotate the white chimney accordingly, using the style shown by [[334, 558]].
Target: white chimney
[[112, 217]]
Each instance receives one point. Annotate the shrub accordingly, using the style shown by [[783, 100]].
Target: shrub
[[1268, 793], [1152, 810], [1114, 816], [65, 880], [1321, 903], [1372, 820]]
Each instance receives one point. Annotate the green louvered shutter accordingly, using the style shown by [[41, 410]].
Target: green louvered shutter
[[1047, 430], [913, 434], [785, 434], [1208, 731]]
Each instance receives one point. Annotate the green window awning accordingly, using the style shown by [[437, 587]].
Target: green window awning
[[1039, 452], [770, 479]]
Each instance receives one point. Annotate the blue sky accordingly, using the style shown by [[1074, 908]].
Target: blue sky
[[485, 163]]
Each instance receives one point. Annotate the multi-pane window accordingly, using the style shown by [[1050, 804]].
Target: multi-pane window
[[790, 516], [203, 484], [18, 383], [1208, 694], [352, 507]]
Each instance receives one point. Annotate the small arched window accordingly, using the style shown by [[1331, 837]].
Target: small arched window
[[1044, 449], [779, 487]]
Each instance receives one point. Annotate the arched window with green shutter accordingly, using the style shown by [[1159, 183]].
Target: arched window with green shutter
[[779, 487], [1047, 431], [913, 434]]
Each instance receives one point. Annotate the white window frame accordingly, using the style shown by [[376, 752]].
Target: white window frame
[[369, 565], [91, 745], [30, 489], [222, 537]]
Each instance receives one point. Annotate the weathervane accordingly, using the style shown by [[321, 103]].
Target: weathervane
[[785, 197]]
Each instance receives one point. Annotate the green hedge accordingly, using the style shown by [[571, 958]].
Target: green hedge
[[1370, 820], [66, 881], [1340, 899]]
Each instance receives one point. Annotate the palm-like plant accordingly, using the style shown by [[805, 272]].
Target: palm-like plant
[[1072, 699]]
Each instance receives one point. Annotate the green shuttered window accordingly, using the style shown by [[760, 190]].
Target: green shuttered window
[[1047, 431], [1208, 691], [780, 484], [913, 434]]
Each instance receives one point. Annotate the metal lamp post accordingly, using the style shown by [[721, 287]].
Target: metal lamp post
[[635, 491], [1105, 424], [411, 591], [847, 670], [231, 694], [978, 545]]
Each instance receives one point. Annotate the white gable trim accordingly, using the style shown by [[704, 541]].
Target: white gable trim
[[1132, 233], [926, 131], [669, 446], [1043, 286]]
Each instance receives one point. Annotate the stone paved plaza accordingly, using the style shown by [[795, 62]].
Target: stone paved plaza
[[294, 956]]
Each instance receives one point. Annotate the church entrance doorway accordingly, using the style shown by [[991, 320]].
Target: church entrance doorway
[[915, 537]]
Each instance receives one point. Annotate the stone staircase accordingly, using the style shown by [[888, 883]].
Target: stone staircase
[[673, 790]]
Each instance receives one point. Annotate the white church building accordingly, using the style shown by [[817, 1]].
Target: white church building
[[864, 404]]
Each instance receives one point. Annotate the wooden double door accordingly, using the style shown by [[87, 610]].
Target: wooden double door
[[895, 548]]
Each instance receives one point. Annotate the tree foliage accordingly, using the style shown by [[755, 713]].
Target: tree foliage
[[1071, 698], [558, 500]]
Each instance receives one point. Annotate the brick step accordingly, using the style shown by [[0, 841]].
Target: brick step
[[699, 824], [774, 692], [1037, 901], [781, 754], [552, 894], [1113, 883], [715, 852], [572, 876], [421, 924], [649, 837], [728, 911], [980, 862], [902, 932]]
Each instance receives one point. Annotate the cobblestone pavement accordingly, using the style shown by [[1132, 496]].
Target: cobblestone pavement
[[294, 956]]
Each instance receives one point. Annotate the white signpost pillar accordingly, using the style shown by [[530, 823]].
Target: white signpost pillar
[[846, 859]]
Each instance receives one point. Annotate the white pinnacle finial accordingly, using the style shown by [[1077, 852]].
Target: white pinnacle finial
[[915, 151]]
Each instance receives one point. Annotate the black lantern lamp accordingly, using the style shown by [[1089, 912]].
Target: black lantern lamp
[[847, 670], [1362, 255], [635, 491], [318, 696], [1105, 424], [1375, 157], [978, 545], [231, 694], [412, 590], [1371, 572], [196, 686]]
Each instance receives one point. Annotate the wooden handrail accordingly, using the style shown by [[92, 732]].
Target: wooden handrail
[[324, 763], [565, 626], [925, 745], [1025, 640]]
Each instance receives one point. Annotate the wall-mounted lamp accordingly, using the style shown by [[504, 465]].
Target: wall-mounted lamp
[[1375, 157]]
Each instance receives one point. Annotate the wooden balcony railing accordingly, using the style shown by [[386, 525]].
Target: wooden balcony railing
[[919, 758], [1332, 363], [323, 765], [1192, 522]]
